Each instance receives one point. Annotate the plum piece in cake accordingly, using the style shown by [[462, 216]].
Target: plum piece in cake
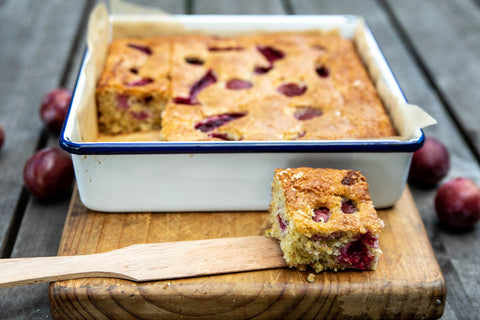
[[325, 219]]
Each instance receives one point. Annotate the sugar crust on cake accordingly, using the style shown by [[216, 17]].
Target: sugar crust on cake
[[293, 86]]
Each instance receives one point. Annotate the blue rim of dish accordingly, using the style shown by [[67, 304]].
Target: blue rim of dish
[[281, 146], [240, 147]]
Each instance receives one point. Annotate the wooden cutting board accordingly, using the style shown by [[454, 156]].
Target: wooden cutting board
[[407, 284]]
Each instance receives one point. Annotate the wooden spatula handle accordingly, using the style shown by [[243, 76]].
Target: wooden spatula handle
[[148, 262], [22, 271]]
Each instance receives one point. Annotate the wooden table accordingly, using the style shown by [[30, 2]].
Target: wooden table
[[433, 47]]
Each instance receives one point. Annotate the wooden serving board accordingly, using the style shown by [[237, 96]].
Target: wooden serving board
[[407, 284]]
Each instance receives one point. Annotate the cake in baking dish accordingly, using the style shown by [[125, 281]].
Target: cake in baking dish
[[279, 86], [134, 85], [324, 218]]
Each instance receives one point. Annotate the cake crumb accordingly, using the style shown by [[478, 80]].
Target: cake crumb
[[298, 175], [311, 277]]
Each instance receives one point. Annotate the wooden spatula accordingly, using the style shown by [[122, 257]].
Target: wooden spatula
[[148, 262]]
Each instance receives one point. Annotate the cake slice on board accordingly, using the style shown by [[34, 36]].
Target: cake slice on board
[[324, 218]]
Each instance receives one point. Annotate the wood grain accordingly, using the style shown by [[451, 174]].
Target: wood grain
[[238, 7], [431, 26], [407, 284], [37, 38], [429, 29], [31, 64]]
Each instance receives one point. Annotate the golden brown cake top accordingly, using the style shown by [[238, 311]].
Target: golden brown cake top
[[323, 201], [137, 65], [308, 85], [277, 86]]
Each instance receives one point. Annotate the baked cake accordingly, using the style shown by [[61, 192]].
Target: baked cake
[[324, 218], [134, 85], [279, 86]]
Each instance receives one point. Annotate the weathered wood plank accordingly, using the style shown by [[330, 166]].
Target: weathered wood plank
[[446, 37], [34, 55], [169, 6], [33, 51], [39, 235], [238, 7], [42, 224], [418, 90]]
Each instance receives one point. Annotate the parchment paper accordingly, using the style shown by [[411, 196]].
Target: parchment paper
[[137, 21]]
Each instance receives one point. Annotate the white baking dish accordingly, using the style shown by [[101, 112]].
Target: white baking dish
[[232, 175]]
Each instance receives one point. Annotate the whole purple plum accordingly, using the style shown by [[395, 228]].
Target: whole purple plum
[[429, 164], [48, 174], [54, 107], [2, 137], [458, 203]]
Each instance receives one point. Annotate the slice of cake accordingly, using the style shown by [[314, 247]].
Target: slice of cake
[[324, 218], [134, 86]]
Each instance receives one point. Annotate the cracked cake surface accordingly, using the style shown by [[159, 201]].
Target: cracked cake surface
[[285, 86], [324, 218]]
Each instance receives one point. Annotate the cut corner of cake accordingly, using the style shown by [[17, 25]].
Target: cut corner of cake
[[325, 219]]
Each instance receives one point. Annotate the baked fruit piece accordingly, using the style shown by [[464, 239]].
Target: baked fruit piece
[[134, 86], [324, 218]]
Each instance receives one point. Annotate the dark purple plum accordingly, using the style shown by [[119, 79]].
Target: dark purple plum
[[322, 71], [348, 206], [270, 53], [457, 203], [185, 100], [292, 89], [223, 136], [208, 79], [54, 107], [48, 174], [140, 82], [141, 48], [321, 214], [2, 137], [429, 164], [238, 84], [213, 122], [356, 254], [262, 70], [306, 113], [282, 223]]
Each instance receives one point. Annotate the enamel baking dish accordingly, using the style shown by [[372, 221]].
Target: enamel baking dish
[[232, 175]]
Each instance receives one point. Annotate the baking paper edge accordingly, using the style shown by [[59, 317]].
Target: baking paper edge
[[407, 118]]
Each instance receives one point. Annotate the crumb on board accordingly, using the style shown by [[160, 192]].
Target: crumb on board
[[311, 277], [166, 285]]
